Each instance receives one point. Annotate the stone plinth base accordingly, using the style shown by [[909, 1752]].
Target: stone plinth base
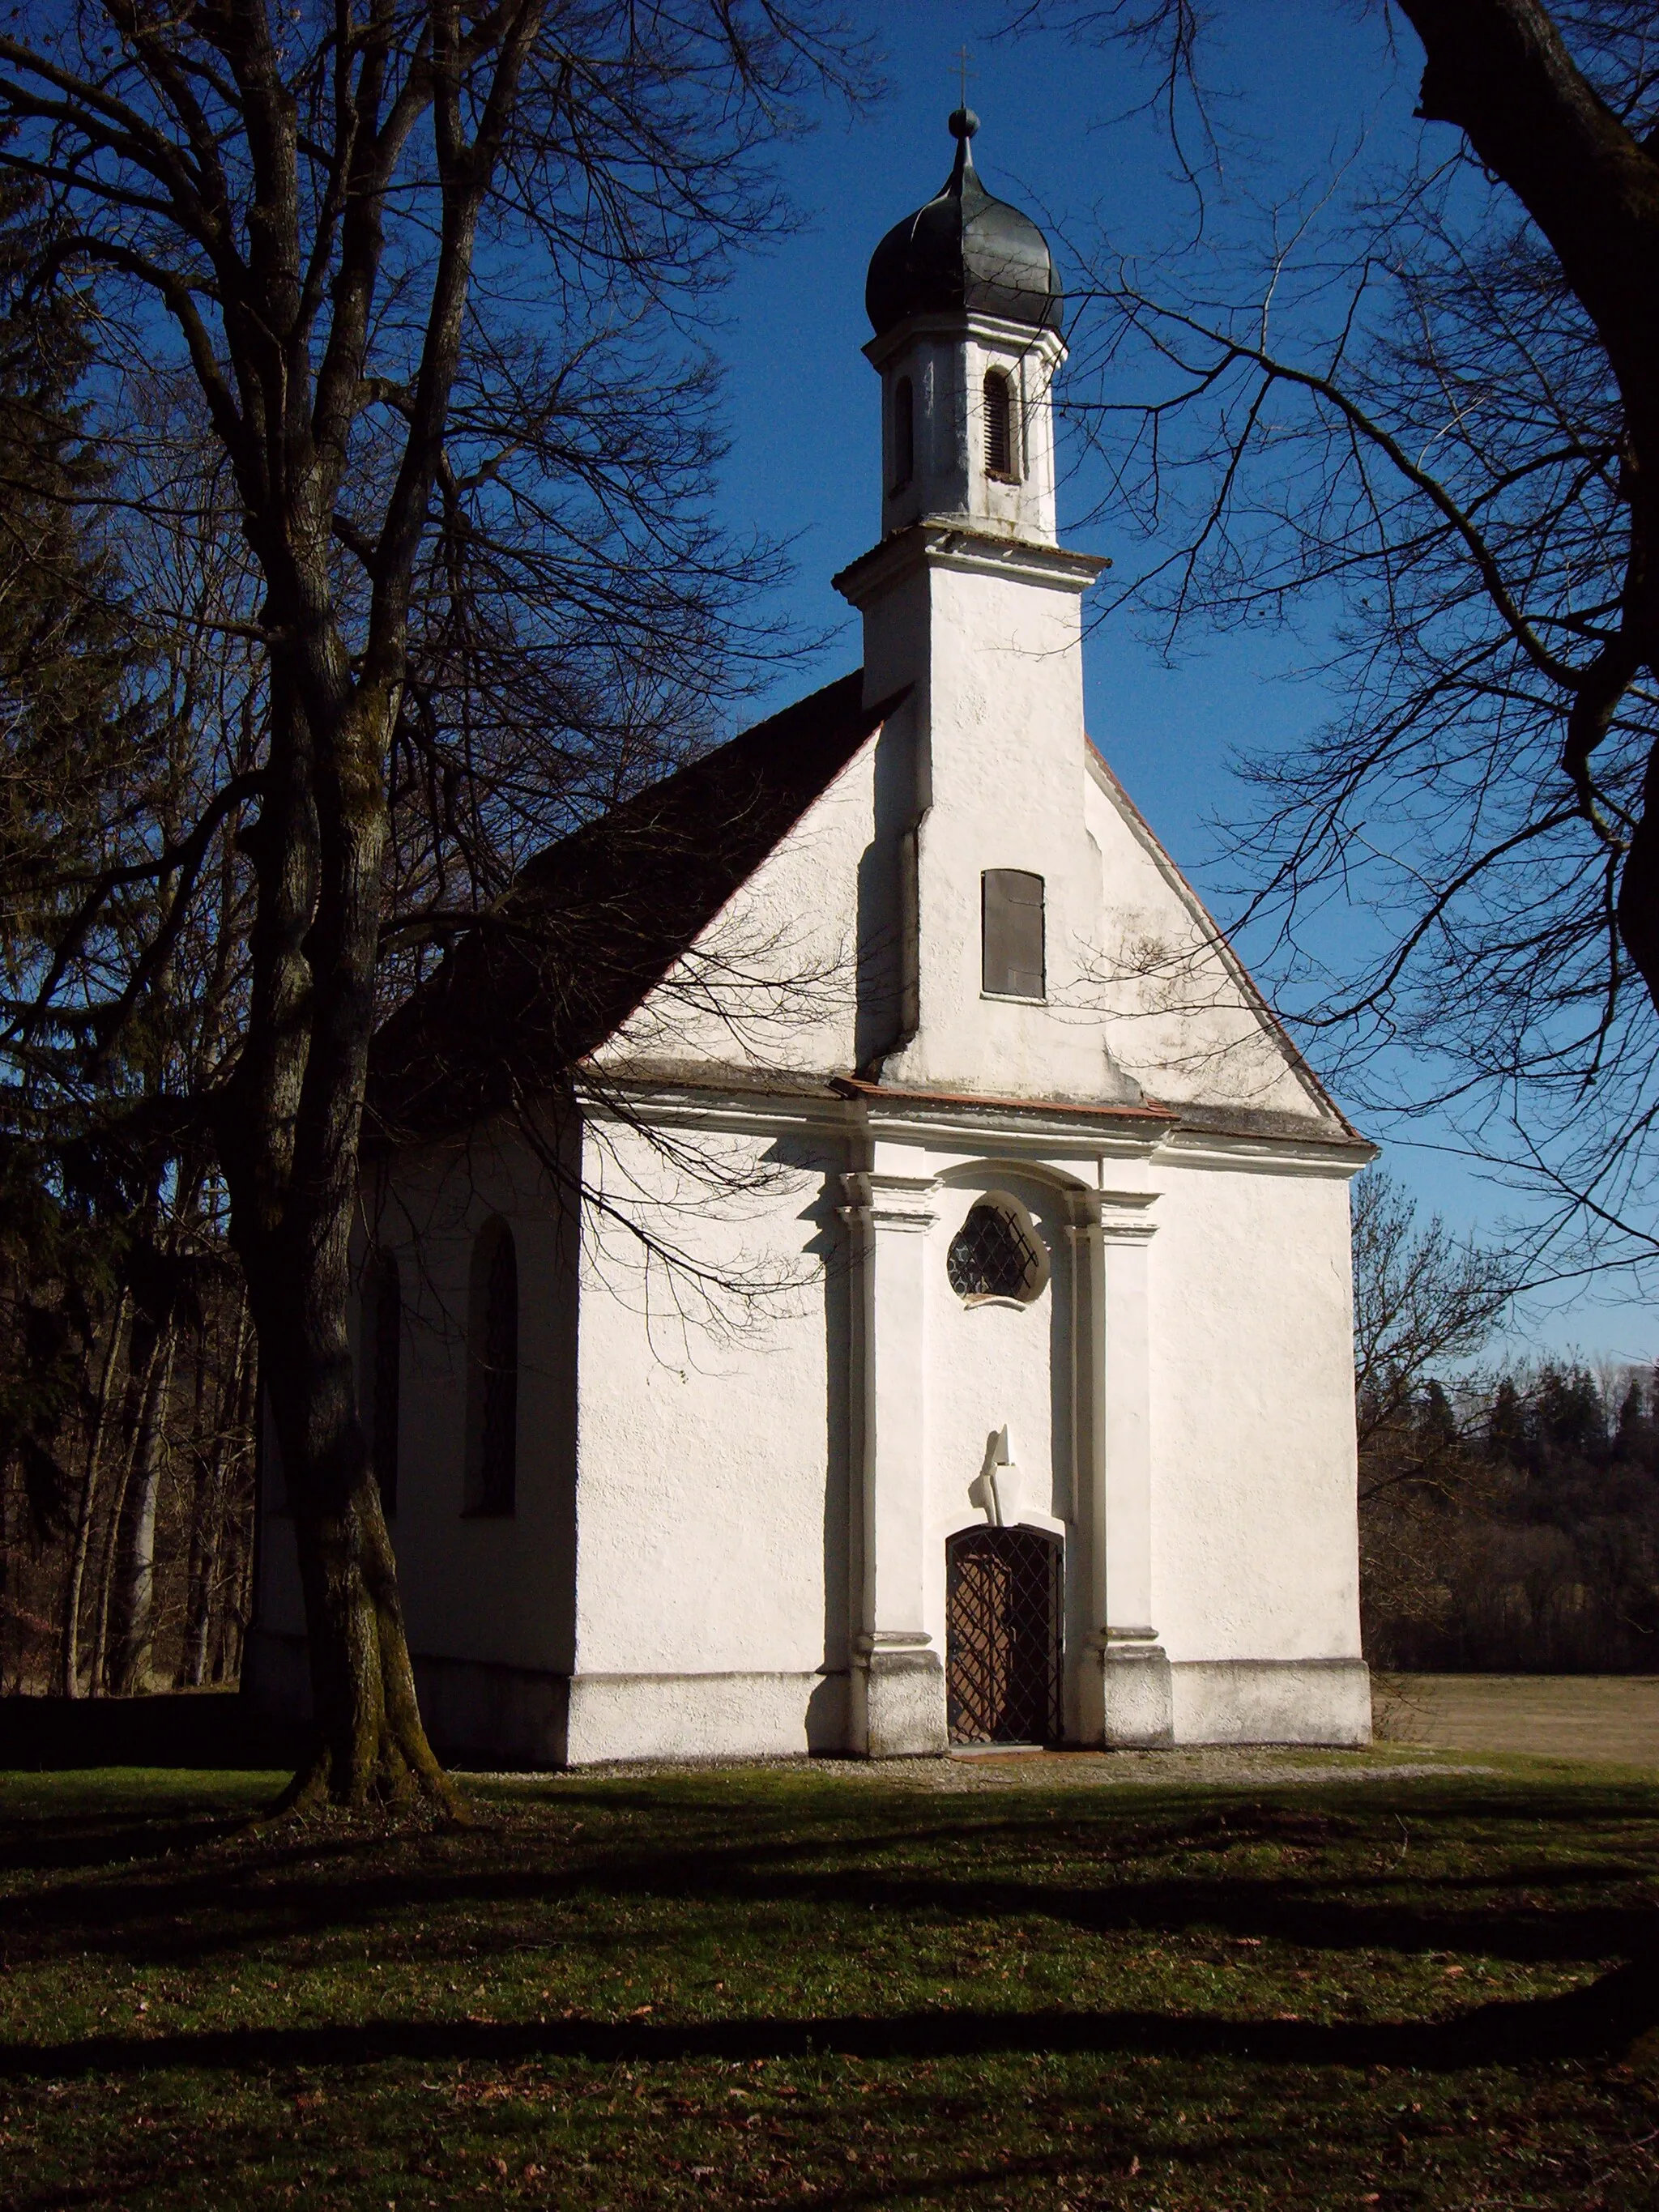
[[480, 1713], [1135, 1710], [1273, 1701], [748, 1716], [899, 1704]]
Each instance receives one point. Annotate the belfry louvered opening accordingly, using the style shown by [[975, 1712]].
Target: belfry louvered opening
[[1000, 453]]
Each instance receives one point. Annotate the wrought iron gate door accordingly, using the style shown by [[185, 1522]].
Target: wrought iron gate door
[[1003, 1636]]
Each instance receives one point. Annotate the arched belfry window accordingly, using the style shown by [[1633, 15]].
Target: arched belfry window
[[493, 1379], [996, 1254], [1000, 457], [385, 1345], [904, 433]]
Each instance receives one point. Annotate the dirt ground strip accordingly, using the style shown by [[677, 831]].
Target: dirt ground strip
[[1611, 1718]]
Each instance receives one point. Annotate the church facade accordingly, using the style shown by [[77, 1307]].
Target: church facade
[[852, 1264]]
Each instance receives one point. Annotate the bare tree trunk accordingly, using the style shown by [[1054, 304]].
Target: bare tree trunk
[[207, 1539], [98, 1678], [8, 1600], [69, 1667], [368, 1739], [136, 1551], [288, 1142]]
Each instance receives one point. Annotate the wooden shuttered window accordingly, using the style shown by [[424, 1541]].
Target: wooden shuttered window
[[1011, 926]]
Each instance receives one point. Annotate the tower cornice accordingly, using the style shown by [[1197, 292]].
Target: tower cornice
[[960, 323], [946, 544]]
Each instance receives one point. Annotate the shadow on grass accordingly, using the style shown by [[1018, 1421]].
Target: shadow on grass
[[166, 1894], [1602, 2018], [182, 1913], [120, 1841]]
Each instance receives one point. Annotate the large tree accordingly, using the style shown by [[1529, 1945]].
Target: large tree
[[396, 281], [1415, 406]]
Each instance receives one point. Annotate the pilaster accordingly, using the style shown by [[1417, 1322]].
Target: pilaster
[[897, 1675], [1122, 1685]]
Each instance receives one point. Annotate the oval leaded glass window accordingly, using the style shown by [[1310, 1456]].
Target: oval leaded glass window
[[994, 1255]]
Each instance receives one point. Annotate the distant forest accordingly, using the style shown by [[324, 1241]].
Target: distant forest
[[1513, 1526], [127, 1387]]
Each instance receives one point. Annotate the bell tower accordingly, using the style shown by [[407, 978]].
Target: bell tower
[[970, 601], [966, 309]]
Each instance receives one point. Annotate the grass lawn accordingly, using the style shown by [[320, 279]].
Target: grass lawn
[[792, 1987]]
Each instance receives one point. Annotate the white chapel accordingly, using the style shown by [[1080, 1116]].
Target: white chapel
[[851, 1263]]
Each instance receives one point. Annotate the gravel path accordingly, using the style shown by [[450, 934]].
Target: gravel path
[[1252, 1767], [1423, 1722]]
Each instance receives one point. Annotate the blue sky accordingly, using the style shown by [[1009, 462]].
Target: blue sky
[[1304, 81]]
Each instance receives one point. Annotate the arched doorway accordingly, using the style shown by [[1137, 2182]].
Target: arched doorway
[[1003, 1614]]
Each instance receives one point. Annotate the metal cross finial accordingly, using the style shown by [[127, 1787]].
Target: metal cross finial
[[962, 66]]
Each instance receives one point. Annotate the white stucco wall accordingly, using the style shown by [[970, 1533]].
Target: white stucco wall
[[1251, 1411], [1177, 1009], [1254, 1536], [711, 1486], [998, 723], [985, 765], [688, 1544], [709, 1479], [774, 981]]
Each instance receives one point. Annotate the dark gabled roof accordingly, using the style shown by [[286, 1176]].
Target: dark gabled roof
[[594, 922]]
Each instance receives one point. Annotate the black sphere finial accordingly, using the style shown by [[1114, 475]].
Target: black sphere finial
[[964, 123]]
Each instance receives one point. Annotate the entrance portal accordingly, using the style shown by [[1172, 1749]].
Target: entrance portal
[[1003, 1611]]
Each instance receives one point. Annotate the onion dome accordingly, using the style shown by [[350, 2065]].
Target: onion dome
[[964, 251]]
